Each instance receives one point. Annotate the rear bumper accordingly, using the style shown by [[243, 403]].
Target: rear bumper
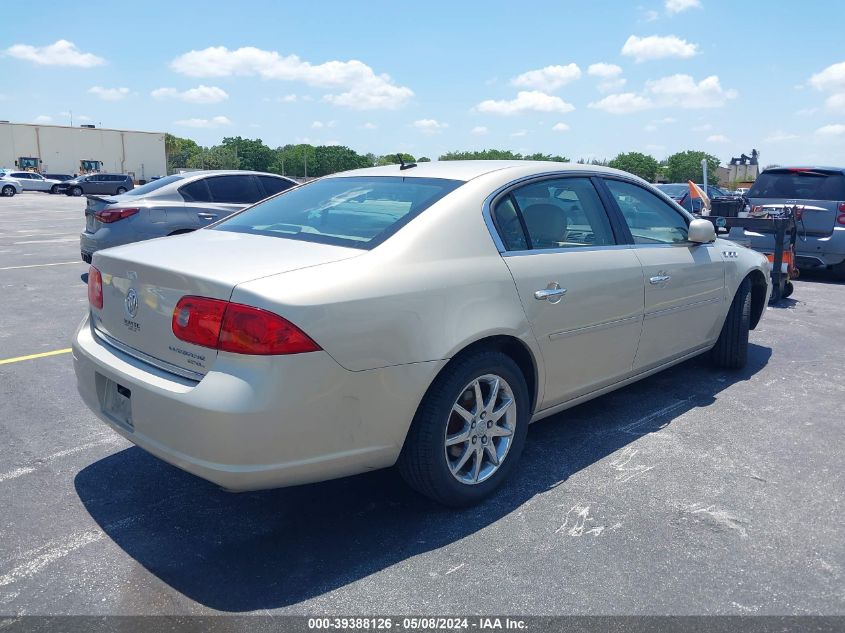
[[811, 251], [258, 422]]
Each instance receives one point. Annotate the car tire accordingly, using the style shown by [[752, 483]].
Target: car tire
[[8, 191], [120, 190], [838, 271], [788, 289], [75, 191], [444, 472], [731, 350], [54, 189]]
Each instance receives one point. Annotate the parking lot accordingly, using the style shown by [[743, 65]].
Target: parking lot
[[694, 491]]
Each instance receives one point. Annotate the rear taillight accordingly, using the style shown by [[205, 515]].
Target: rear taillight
[[842, 207], [237, 328], [840, 219], [95, 288], [108, 216]]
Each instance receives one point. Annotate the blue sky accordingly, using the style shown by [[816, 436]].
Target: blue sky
[[582, 79]]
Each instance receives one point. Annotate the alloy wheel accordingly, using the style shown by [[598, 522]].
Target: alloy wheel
[[480, 429]]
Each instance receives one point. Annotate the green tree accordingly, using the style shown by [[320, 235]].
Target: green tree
[[641, 165], [685, 166], [296, 161], [484, 154], [548, 157], [217, 157], [393, 159], [423, 159], [330, 159], [251, 153], [178, 152]]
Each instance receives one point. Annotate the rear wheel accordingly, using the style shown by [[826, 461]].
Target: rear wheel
[[838, 271], [8, 191], [469, 431], [731, 350], [76, 191], [121, 190], [54, 189]]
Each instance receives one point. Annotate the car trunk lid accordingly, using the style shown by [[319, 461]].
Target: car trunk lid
[[142, 283]]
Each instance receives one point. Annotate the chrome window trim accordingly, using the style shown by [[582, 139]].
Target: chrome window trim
[[146, 358], [489, 201], [567, 249]]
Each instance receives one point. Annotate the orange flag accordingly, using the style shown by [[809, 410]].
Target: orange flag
[[697, 192]]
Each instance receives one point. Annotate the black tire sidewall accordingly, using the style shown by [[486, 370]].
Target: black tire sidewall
[[451, 491], [5, 191]]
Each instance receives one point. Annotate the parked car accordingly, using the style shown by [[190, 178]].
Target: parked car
[[679, 192], [420, 316], [819, 192], [9, 186], [172, 205], [97, 184], [31, 181], [59, 177], [742, 191]]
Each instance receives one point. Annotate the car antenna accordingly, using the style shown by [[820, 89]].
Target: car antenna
[[403, 165]]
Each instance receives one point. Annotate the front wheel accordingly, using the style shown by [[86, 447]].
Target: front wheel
[[731, 350], [121, 190], [76, 191], [8, 191], [469, 430], [54, 189]]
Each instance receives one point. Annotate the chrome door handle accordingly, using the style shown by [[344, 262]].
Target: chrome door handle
[[552, 293], [206, 216], [659, 279]]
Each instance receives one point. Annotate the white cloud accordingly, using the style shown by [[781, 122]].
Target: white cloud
[[519, 134], [623, 103], [683, 91], [200, 94], [667, 119], [479, 130], [109, 94], [548, 79], [831, 78], [526, 101], [560, 127], [43, 118], [677, 6], [361, 87], [704, 127], [836, 103], [657, 47], [779, 136], [807, 112], [320, 124], [213, 122], [429, 126], [718, 138], [288, 98], [651, 15], [60, 53], [609, 75], [369, 126], [651, 127], [836, 129]]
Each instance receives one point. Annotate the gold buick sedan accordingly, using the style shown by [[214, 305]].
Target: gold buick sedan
[[419, 315]]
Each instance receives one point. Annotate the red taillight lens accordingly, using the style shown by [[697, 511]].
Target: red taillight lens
[[840, 219], [197, 320], [113, 215], [842, 207], [237, 328], [95, 288]]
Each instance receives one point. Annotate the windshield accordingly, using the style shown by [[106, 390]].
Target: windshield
[[153, 185], [674, 190], [799, 185], [359, 212]]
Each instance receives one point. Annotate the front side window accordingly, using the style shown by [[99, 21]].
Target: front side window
[[650, 219], [558, 213], [360, 212]]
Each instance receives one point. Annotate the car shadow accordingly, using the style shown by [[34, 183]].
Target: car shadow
[[271, 549]]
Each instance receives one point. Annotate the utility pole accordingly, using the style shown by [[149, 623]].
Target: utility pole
[[305, 155], [704, 172]]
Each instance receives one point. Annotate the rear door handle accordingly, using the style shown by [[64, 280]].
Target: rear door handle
[[206, 216], [552, 293], [659, 279]]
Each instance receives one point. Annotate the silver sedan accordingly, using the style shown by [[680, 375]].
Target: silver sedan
[[419, 315]]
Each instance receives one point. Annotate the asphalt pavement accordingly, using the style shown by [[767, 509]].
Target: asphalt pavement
[[695, 491]]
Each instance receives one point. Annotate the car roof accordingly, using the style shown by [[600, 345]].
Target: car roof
[[466, 170], [805, 167]]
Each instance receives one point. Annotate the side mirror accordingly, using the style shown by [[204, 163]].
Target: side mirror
[[701, 231]]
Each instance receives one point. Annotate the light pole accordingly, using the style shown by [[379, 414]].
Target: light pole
[[704, 172]]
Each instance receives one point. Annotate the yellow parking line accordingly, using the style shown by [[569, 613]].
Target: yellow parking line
[[78, 261], [56, 352]]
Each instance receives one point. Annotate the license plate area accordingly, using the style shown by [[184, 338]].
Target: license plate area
[[116, 402]]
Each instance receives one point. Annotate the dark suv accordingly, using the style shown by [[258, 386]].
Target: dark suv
[[97, 184]]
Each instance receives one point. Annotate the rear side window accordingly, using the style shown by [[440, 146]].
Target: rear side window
[[272, 186], [358, 212], [234, 189], [799, 185], [650, 219], [196, 191]]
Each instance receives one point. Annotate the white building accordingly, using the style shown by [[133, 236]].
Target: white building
[[74, 150]]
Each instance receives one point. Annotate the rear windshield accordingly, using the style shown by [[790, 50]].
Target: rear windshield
[[153, 185], [803, 185], [358, 212]]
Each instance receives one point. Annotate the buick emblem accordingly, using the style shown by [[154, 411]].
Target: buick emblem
[[132, 303]]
